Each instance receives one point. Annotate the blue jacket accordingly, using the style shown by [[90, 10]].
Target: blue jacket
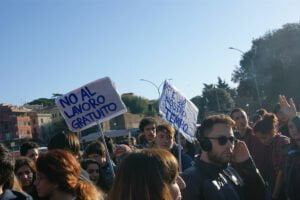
[[186, 160], [14, 195]]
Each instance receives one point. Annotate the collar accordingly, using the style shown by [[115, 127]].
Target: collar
[[248, 132]]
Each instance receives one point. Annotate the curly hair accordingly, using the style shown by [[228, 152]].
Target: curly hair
[[27, 146], [268, 124], [62, 168]]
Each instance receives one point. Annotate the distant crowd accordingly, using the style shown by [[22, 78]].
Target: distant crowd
[[232, 158]]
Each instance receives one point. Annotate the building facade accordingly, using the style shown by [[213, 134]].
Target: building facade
[[21, 123]]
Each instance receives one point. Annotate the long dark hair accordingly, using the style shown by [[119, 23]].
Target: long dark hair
[[101, 183], [25, 161]]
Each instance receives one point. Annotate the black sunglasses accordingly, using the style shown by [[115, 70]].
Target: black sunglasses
[[223, 139]]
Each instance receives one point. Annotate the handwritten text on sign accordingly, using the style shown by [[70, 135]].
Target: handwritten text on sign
[[96, 101], [179, 111]]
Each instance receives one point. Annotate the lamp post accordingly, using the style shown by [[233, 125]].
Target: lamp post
[[218, 103], [157, 87], [254, 75]]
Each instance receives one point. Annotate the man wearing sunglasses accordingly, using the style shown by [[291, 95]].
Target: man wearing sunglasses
[[225, 169]]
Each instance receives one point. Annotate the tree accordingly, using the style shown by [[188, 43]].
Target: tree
[[43, 101], [223, 85], [136, 104], [218, 99], [46, 101], [199, 103], [55, 95], [274, 61], [213, 100]]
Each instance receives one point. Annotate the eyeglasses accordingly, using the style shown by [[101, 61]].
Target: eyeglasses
[[223, 139]]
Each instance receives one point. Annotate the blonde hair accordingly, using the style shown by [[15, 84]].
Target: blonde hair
[[166, 128]]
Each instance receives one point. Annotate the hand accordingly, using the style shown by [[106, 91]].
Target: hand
[[240, 152], [288, 108]]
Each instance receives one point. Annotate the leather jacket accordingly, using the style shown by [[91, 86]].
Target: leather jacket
[[205, 181]]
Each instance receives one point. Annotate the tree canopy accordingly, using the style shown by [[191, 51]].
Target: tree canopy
[[214, 98], [274, 61], [43, 101], [139, 105]]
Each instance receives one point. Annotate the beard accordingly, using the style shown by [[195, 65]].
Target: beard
[[218, 159]]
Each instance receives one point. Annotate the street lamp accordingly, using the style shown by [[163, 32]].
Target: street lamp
[[254, 75], [218, 103], [157, 87]]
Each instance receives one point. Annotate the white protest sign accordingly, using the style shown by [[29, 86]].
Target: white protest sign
[[178, 111], [94, 102]]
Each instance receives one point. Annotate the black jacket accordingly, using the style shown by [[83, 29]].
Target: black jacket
[[206, 181], [186, 160]]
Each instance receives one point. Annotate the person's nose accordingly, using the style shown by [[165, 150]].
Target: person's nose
[[230, 145]]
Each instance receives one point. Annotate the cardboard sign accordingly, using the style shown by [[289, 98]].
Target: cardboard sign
[[178, 111], [94, 102]]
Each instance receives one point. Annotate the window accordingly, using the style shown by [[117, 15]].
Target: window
[[33, 121], [42, 121]]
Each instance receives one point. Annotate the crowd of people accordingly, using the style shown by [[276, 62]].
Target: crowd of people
[[233, 158]]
